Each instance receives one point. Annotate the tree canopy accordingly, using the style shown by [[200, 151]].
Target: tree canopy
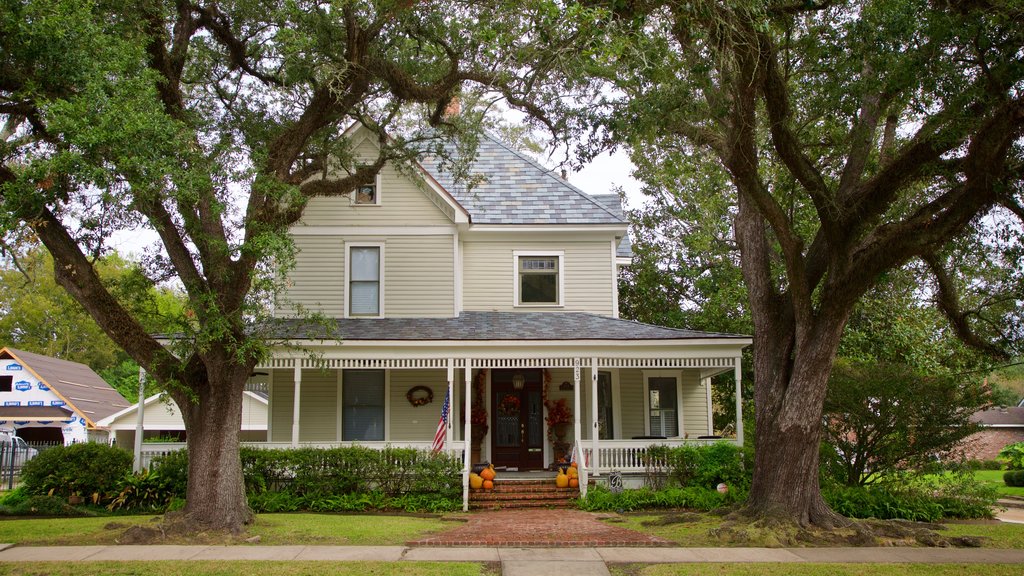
[[212, 124], [857, 138]]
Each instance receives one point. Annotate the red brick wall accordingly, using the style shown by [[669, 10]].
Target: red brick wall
[[985, 445]]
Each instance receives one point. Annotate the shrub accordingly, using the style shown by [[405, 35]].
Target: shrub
[[916, 498], [705, 466], [90, 470], [148, 490], [1014, 478], [1013, 455], [600, 498]]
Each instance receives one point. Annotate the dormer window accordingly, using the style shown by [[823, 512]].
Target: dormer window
[[538, 278]]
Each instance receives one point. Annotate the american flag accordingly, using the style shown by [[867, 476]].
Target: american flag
[[442, 424]]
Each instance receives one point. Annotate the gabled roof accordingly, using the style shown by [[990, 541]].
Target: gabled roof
[[483, 326], [1001, 417], [76, 384], [518, 190]]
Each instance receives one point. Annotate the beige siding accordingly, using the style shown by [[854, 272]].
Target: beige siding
[[632, 390], [416, 423], [695, 405], [161, 415], [419, 276], [318, 406], [489, 275], [318, 280]]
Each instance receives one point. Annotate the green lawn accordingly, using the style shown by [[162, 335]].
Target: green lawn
[[815, 569], [273, 529], [201, 568], [695, 534], [995, 477]]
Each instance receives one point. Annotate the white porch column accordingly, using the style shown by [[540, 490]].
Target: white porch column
[[139, 426], [739, 400], [467, 434], [595, 462], [581, 462], [297, 379]]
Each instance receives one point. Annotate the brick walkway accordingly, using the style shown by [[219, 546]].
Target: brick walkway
[[551, 528]]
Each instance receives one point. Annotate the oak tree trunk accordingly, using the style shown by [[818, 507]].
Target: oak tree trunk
[[789, 395], [215, 499]]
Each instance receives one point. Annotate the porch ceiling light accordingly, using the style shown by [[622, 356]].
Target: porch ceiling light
[[518, 381]]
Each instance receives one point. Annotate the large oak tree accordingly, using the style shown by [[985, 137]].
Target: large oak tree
[[857, 137], [212, 124]]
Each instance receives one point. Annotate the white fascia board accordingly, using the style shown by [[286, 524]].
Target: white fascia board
[[640, 349], [621, 261], [517, 230], [304, 230], [1002, 425]]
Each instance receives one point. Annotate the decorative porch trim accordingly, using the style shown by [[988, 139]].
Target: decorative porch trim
[[511, 361]]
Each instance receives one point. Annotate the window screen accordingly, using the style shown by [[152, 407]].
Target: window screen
[[364, 281], [362, 394], [538, 279]]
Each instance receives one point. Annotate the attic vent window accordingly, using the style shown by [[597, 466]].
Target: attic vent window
[[367, 194]]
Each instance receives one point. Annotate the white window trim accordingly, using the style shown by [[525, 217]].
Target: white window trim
[[560, 254], [348, 275], [376, 183], [678, 375], [616, 403]]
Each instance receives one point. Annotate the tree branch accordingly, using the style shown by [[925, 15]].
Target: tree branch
[[948, 300]]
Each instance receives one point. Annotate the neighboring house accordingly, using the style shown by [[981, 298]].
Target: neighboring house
[[46, 399], [504, 293], [161, 419], [1001, 426]]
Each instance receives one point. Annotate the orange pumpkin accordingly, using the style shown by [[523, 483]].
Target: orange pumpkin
[[487, 474], [561, 481], [475, 482], [488, 485], [574, 482]]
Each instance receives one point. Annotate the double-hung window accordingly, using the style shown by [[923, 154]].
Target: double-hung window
[[365, 280], [539, 278], [362, 400]]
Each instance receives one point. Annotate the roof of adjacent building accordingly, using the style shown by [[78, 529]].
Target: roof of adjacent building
[[614, 204], [515, 189], [484, 326], [82, 389], [1000, 416]]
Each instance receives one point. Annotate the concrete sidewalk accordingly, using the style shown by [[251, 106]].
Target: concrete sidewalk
[[510, 556]]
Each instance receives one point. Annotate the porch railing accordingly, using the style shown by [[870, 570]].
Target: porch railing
[[153, 450], [630, 456]]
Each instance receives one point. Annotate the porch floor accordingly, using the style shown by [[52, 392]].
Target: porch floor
[[547, 528]]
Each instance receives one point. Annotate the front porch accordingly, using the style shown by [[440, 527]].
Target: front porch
[[620, 406]]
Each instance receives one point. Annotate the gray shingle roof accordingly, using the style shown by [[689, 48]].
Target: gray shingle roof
[[1010, 416], [76, 383], [518, 190], [482, 326]]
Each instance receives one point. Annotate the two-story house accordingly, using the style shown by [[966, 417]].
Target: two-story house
[[505, 294]]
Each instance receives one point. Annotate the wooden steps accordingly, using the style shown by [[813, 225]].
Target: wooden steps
[[515, 493]]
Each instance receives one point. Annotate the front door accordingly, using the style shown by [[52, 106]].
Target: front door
[[517, 419]]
